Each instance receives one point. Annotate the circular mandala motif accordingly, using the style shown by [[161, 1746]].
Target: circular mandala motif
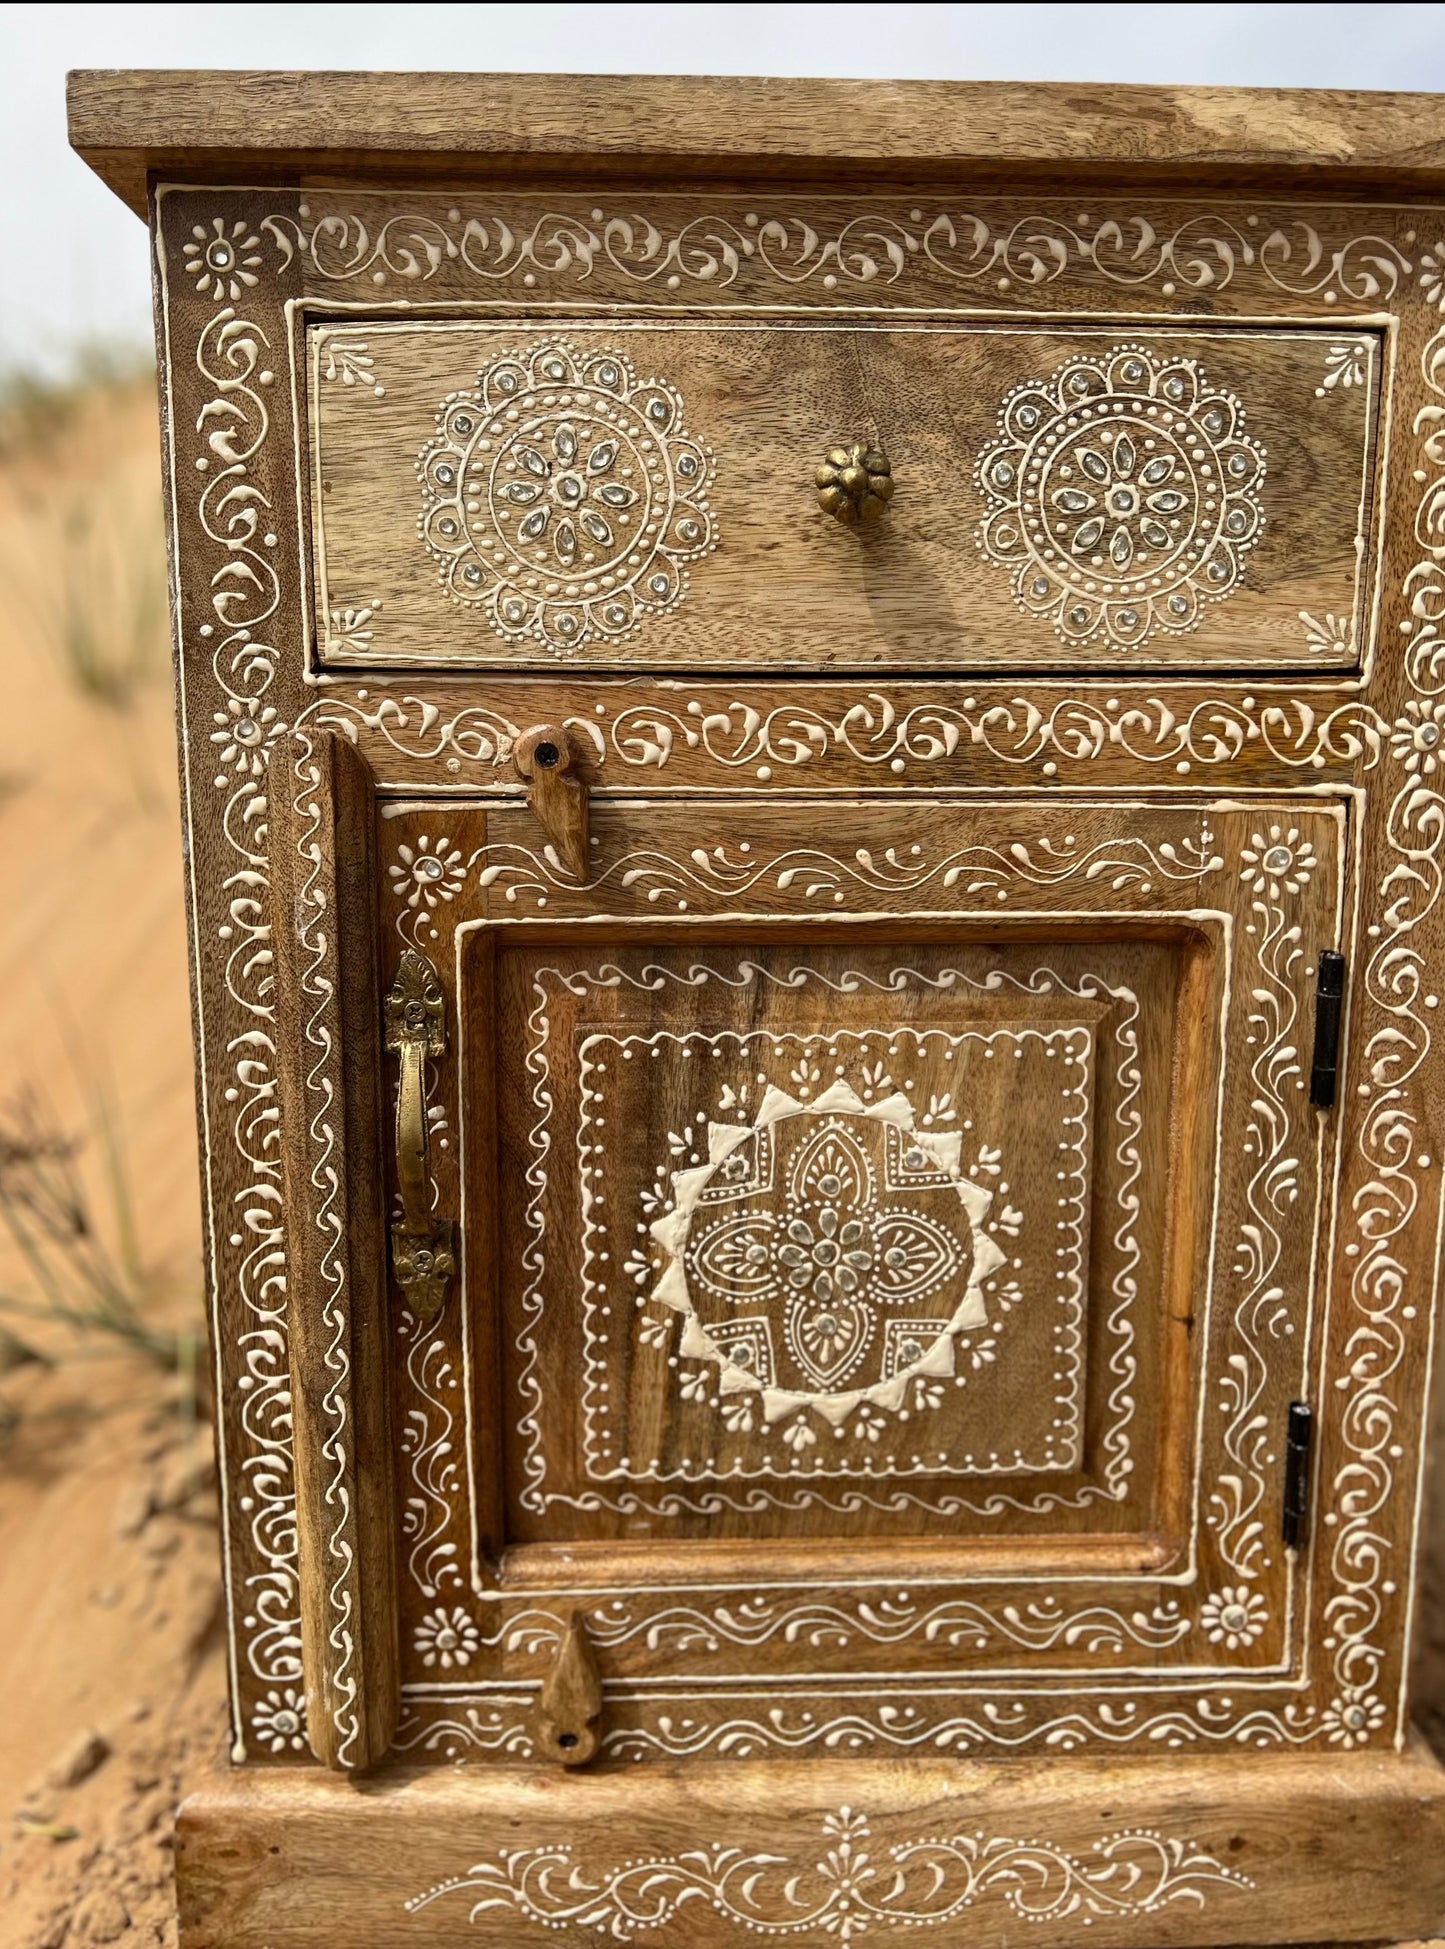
[[563, 497], [1123, 492], [826, 1255]]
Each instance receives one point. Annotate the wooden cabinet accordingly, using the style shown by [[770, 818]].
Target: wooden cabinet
[[814, 817]]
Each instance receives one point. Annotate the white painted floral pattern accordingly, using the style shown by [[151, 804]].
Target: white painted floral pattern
[[1345, 365], [245, 731], [563, 497], [279, 1721], [1327, 635], [1233, 1617], [1279, 858], [1123, 493], [351, 361], [223, 259], [791, 1248], [429, 872], [447, 1638], [349, 629], [1350, 1719], [853, 1884], [1417, 737]]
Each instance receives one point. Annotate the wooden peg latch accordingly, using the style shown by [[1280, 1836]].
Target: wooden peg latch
[[547, 758], [570, 1709]]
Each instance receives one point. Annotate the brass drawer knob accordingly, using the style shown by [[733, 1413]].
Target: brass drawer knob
[[855, 483]]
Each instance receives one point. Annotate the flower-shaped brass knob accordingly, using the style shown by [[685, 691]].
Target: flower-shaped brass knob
[[855, 483]]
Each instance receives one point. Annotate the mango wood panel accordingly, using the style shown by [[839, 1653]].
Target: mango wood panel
[[1163, 1853], [623, 496], [209, 126]]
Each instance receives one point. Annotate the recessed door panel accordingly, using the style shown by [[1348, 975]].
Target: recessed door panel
[[827, 1240]]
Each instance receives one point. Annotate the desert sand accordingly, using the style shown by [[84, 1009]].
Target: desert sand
[[111, 1675]]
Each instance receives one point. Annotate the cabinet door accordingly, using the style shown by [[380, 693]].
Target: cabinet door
[[885, 1247]]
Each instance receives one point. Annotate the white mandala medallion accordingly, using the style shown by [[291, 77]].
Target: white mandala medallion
[[563, 498], [826, 1255], [1123, 493]]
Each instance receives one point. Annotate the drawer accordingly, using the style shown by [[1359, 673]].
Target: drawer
[[629, 495]]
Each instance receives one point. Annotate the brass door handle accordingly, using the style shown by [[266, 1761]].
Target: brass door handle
[[855, 483], [421, 1243]]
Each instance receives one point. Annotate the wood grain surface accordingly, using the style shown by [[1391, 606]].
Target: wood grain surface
[[999, 548], [272, 126], [1167, 1853]]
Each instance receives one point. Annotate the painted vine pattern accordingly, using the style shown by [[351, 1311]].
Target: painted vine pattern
[[234, 515], [1391, 1142], [1275, 869], [321, 1057], [1004, 254], [853, 1886], [879, 731]]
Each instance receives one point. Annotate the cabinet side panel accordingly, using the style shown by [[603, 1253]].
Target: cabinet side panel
[[230, 494]]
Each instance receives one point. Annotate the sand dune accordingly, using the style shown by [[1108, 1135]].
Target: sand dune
[[110, 1670]]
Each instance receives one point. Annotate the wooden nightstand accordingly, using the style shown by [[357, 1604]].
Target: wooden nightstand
[[811, 718]]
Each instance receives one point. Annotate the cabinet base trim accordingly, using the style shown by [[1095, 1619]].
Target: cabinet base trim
[[1253, 1849]]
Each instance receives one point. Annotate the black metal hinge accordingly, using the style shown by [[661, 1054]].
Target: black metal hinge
[[1329, 1005], [1299, 1438]]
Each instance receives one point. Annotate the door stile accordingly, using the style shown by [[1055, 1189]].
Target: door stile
[[328, 1018]]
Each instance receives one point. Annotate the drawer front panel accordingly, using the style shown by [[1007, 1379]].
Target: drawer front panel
[[493, 495]]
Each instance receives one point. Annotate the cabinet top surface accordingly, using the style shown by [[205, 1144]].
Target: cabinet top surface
[[217, 126]]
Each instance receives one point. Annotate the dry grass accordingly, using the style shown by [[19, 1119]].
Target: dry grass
[[105, 617], [108, 1561], [84, 649], [90, 1289], [91, 574], [82, 551]]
